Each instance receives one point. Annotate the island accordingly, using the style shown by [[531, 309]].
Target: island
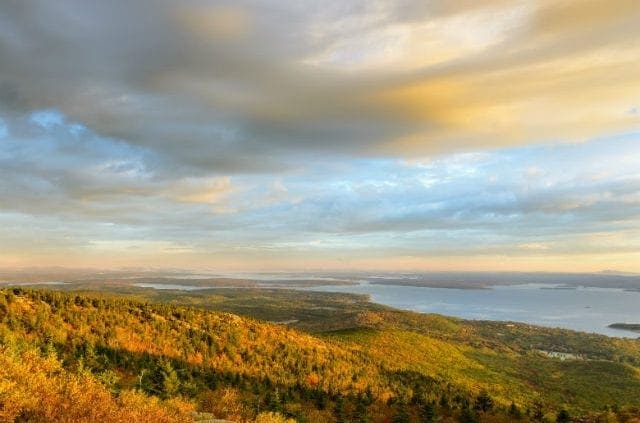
[[635, 327]]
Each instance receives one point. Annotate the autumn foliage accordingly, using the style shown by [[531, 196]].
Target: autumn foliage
[[36, 387], [66, 357]]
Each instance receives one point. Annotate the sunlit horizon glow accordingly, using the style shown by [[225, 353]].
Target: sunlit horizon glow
[[260, 136]]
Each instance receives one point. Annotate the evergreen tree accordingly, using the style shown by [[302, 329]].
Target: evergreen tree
[[444, 402], [483, 402], [563, 416], [402, 414], [514, 411], [321, 400], [537, 412], [338, 410], [467, 415], [429, 412], [360, 414], [170, 380], [273, 401]]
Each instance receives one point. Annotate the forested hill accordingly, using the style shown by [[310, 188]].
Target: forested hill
[[92, 357]]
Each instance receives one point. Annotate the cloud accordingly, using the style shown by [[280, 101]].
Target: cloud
[[360, 129], [544, 201], [200, 190], [503, 199], [213, 86]]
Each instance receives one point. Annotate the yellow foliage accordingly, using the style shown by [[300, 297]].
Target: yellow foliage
[[271, 417], [224, 403], [36, 388]]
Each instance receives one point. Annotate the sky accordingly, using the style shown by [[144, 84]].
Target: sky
[[337, 135]]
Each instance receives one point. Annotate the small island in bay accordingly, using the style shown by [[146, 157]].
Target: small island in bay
[[626, 326]]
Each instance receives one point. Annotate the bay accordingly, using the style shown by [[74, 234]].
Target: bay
[[587, 309]]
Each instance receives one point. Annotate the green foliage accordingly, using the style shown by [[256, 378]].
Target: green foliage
[[563, 416], [428, 412], [484, 403], [514, 411], [401, 414], [365, 363], [467, 415]]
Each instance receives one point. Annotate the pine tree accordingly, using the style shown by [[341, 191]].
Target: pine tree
[[444, 402], [538, 411], [467, 415], [338, 410], [402, 414], [514, 411], [429, 412], [170, 380], [360, 414], [563, 416], [483, 402]]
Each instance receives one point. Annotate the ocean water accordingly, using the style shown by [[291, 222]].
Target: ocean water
[[585, 309], [178, 287]]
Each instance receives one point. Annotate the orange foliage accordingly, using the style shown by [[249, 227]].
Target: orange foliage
[[313, 379], [37, 388]]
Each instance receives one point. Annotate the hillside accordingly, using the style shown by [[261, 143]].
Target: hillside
[[134, 360]]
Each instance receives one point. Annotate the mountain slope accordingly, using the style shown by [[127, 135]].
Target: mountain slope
[[384, 364]]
